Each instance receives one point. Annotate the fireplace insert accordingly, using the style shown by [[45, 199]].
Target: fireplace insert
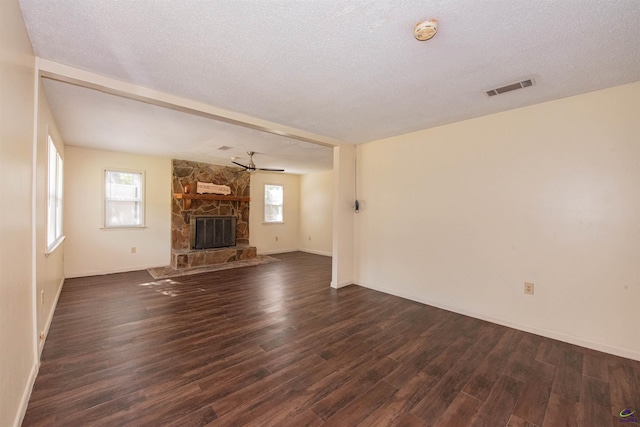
[[213, 231]]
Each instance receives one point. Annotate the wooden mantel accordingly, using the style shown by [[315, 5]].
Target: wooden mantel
[[186, 198]]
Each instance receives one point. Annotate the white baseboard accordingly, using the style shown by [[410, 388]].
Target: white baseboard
[[47, 324], [284, 251], [73, 275], [313, 251], [279, 251], [606, 348], [343, 284], [26, 395]]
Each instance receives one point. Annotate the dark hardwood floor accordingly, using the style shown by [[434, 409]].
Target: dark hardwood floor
[[275, 345]]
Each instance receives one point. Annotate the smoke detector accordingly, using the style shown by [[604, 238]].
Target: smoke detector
[[425, 30]]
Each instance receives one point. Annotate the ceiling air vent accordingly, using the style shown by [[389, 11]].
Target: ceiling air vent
[[509, 88]]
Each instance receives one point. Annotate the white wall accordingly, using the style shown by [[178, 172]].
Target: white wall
[[316, 213], [18, 363], [460, 216], [90, 249], [263, 236], [49, 267]]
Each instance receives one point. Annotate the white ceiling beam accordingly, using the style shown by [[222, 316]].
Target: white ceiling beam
[[75, 76]]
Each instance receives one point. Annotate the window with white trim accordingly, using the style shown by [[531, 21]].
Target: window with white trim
[[123, 199], [273, 203], [54, 197]]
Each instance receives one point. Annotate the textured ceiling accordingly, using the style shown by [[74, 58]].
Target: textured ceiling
[[347, 70], [102, 121]]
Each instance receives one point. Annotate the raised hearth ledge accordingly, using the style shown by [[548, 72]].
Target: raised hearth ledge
[[185, 258], [169, 272]]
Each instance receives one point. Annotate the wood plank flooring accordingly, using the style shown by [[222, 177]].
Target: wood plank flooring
[[274, 345]]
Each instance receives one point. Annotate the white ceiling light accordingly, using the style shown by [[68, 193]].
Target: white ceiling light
[[425, 30]]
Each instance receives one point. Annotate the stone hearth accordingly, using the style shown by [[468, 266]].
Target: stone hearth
[[201, 257]]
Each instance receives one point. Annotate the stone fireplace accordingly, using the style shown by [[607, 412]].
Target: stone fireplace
[[213, 213]]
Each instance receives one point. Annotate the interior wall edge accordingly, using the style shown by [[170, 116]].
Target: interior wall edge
[[26, 394]]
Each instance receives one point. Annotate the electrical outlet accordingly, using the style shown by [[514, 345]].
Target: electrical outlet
[[41, 297], [133, 249], [528, 288]]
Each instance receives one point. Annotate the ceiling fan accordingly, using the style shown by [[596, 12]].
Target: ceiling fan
[[251, 167]]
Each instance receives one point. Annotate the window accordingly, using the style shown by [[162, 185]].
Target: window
[[273, 203], [54, 198], [124, 199]]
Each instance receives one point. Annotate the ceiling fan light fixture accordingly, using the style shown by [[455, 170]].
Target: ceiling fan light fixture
[[425, 30], [251, 167]]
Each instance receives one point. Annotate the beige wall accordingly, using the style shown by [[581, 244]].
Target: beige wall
[[316, 213], [18, 364], [263, 236], [460, 216], [90, 249], [49, 267], [343, 263]]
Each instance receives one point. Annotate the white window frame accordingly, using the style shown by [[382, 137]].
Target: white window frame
[[141, 200], [55, 181], [265, 220]]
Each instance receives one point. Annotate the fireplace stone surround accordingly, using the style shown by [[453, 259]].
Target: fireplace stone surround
[[185, 175]]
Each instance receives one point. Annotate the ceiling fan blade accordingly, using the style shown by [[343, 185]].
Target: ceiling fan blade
[[270, 170], [252, 167], [240, 164]]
